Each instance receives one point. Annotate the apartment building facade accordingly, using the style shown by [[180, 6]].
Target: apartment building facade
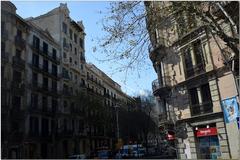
[[43, 93], [111, 96], [44, 77], [13, 83], [193, 80], [69, 34]]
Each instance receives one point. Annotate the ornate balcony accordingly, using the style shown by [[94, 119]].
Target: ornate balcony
[[44, 70], [195, 70], [47, 54], [160, 89], [198, 109], [157, 50]]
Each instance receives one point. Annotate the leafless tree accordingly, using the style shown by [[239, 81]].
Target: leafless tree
[[127, 39]]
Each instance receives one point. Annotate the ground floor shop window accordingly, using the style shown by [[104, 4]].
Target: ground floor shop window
[[207, 142], [209, 147]]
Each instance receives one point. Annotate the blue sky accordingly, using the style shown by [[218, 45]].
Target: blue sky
[[88, 12]]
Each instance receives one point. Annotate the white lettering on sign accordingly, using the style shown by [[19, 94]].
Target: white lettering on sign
[[205, 132]]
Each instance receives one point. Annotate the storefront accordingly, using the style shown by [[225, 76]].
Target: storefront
[[207, 142]]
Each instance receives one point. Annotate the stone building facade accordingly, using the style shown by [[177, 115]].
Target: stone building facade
[[44, 74], [194, 76], [69, 34], [14, 31]]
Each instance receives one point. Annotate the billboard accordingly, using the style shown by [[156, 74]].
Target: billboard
[[230, 109]]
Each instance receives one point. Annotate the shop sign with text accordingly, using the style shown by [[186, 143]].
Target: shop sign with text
[[206, 132]]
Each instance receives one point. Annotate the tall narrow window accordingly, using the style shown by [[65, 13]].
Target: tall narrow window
[[45, 83], [54, 104], [81, 43], [45, 65], [194, 101], [193, 96], [36, 42], [44, 103], [205, 92], [64, 42], [54, 69], [70, 33], [75, 49], [34, 78], [197, 48], [34, 100], [75, 38], [64, 27], [54, 54], [45, 48], [188, 62], [35, 60], [54, 85]]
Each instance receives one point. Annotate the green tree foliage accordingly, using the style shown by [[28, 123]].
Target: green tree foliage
[[95, 113]]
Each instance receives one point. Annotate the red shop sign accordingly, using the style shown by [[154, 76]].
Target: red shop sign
[[201, 132]]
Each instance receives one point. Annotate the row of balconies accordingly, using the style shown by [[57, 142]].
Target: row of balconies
[[161, 88], [47, 54], [36, 86], [196, 110], [51, 111], [41, 68], [95, 81]]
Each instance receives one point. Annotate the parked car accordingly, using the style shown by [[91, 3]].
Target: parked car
[[78, 156], [104, 154], [132, 151]]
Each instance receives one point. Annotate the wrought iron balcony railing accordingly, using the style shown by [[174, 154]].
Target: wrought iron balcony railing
[[156, 50], [198, 109], [195, 70], [156, 85], [47, 54]]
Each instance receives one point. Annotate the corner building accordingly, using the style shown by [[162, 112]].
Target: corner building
[[194, 76]]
